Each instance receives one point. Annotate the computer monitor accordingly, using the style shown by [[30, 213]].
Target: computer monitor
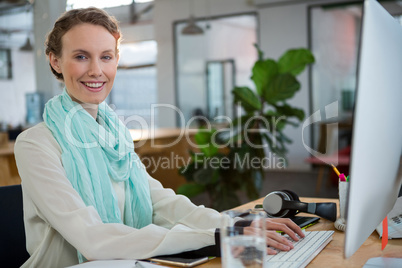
[[377, 126]]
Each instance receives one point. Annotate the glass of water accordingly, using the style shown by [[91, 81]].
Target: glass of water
[[240, 247]]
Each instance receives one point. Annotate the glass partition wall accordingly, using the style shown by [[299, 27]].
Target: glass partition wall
[[334, 36], [209, 64], [334, 40]]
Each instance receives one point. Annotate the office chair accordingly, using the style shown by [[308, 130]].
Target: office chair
[[13, 251]]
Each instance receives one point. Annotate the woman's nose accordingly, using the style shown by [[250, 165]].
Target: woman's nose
[[95, 69]]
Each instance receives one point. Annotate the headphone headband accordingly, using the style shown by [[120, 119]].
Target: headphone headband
[[286, 204]]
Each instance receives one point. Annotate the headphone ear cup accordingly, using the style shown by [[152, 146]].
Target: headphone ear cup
[[293, 195], [289, 213], [274, 202]]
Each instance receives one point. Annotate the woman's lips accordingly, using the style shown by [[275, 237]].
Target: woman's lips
[[94, 86]]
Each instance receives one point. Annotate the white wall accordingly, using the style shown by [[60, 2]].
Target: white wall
[[12, 91], [281, 28]]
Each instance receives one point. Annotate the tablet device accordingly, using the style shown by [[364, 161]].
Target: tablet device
[[304, 221], [178, 261]]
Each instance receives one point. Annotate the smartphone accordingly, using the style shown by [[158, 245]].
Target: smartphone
[[181, 262]]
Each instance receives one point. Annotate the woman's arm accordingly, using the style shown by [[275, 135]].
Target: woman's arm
[[171, 209], [60, 207]]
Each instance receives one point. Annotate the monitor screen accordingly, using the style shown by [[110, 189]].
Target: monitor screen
[[377, 126]]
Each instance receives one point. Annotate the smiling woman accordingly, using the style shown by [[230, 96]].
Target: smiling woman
[[87, 195], [84, 55], [88, 63]]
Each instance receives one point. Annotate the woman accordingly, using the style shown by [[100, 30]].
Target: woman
[[86, 194]]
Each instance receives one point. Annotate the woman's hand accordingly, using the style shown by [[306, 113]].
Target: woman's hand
[[274, 239]]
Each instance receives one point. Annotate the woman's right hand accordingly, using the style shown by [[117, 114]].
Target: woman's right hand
[[275, 240]]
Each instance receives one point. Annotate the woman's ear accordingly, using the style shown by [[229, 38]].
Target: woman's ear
[[54, 62]]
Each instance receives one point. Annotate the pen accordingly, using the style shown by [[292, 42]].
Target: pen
[[341, 176], [336, 170]]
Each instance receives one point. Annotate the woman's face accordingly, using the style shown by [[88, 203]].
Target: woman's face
[[88, 63]]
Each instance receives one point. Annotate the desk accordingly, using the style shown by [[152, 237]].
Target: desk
[[332, 255], [163, 151], [8, 168]]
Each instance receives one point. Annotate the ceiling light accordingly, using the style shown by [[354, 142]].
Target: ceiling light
[[192, 28], [27, 46]]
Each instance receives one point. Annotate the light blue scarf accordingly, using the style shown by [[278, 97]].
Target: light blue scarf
[[93, 154]]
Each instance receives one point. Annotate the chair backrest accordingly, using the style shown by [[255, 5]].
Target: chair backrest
[[13, 251]]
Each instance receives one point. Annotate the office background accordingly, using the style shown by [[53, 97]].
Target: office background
[[161, 65]]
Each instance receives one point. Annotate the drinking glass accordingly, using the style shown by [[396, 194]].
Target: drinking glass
[[241, 248]]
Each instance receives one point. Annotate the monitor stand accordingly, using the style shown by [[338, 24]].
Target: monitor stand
[[383, 262]]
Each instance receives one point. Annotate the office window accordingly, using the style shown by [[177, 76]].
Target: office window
[[5, 64], [205, 73], [220, 83], [134, 89]]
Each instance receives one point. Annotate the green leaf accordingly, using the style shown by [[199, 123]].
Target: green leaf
[[292, 123], [282, 87], [203, 138], [190, 189], [225, 200], [188, 171], [204, 176], [253, 189], [295, 60], [279, 125], [268, 139], [241, 120], [287, 110], [260, 53], [240, 157], [284, 138], [263, 72], [215, 175], [247, 99]]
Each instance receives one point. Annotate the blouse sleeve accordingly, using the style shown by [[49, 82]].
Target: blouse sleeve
[[178, 225], [171, 209]]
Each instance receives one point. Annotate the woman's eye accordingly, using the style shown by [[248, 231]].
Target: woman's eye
[[107, 57], [80, 57]]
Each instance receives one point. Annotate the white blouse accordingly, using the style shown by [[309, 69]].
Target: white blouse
[[58, 223]]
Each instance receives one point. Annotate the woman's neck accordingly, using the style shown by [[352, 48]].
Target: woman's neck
[[92, 109]]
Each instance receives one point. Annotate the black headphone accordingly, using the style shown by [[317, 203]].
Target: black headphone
[[286, 204]]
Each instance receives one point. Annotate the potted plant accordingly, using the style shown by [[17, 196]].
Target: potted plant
[[231, 160]]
